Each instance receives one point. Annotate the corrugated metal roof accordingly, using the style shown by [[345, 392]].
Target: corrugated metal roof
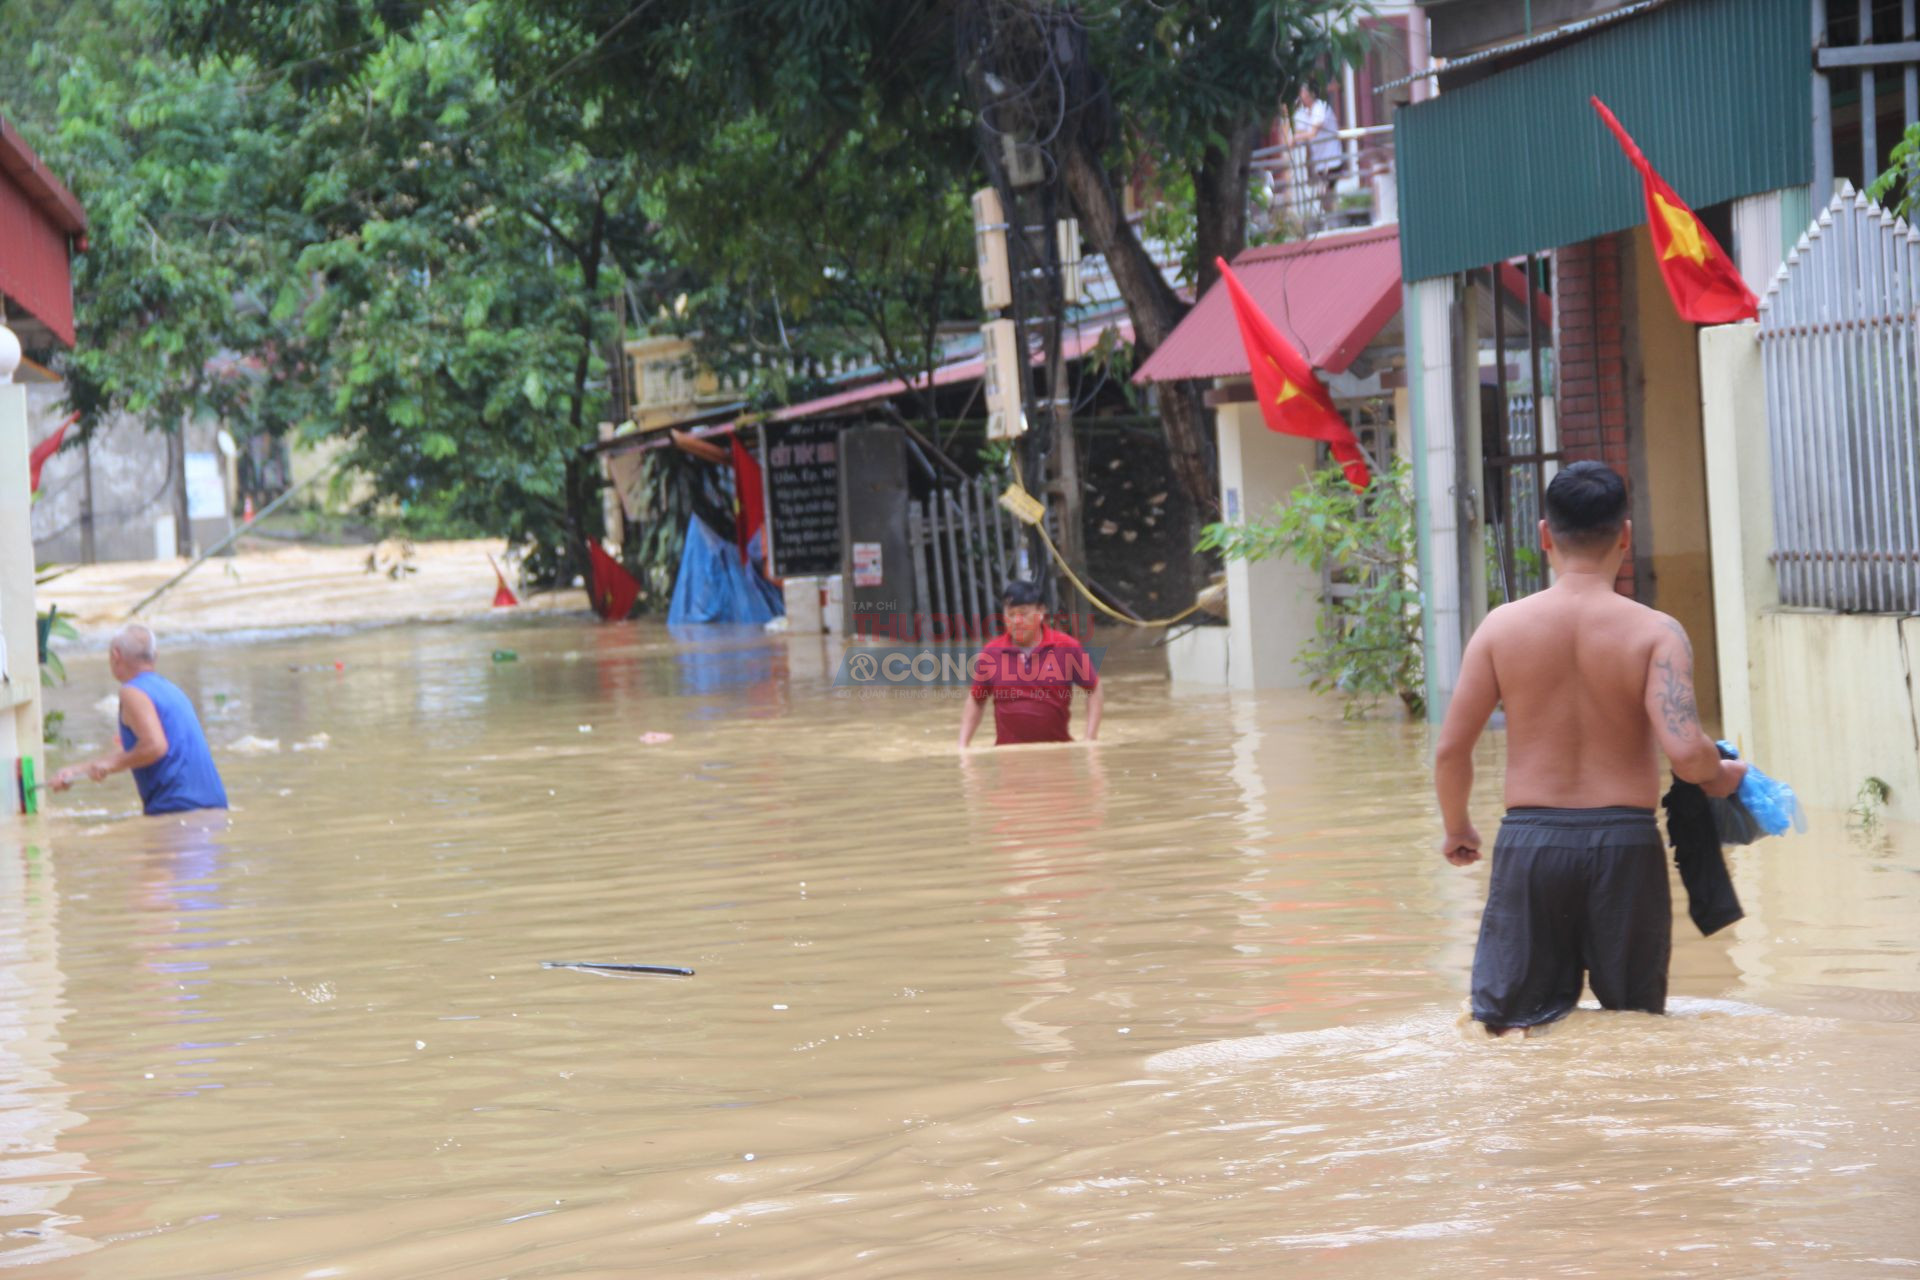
[[1329, 296], [1077, 342], [1716, 92], [1539, 40]]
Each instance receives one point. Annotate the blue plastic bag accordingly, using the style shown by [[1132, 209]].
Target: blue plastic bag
[[1762, 806]]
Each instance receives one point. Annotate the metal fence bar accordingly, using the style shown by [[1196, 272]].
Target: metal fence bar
[[1826, 528], [1908, 384], [994, 559], [1880, 510], [1906, 350], [1852, 479], [941, 611], [1792, 504], [971, 560], [917, 539], [956, 594], [1842, 379], [1775, 373]]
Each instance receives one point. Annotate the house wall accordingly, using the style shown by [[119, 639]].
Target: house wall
[[1272, 605], [134, 487], [1591, 412], [1821, 700], [20, 727], [1672, 565]]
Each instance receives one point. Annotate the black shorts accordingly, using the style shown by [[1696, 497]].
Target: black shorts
[[1574, 892]]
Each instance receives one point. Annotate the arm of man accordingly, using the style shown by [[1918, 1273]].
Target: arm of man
[[1474, 698], [1676, 716], [149, 743], [1096, 704], [970, 718]]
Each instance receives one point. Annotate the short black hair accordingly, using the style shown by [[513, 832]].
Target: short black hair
[[1019, 591], [1586, 505]]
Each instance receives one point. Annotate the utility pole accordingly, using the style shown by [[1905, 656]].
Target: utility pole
[[1008, 46]]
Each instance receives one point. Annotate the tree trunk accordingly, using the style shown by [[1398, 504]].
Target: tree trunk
[[1152, 305], [1220, 200], [579, 487]]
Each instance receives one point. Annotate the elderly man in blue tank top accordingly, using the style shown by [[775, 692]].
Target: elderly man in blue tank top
[[160, 736]]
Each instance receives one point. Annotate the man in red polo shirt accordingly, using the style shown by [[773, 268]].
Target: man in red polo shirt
[[1029, 672]]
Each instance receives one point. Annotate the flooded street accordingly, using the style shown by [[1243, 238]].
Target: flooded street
[[1186, 1001]]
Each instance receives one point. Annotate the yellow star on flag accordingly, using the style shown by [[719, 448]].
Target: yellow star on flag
[[1683, 231], [1287, 390]]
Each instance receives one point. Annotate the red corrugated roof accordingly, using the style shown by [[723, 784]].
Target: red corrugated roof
[[1329, 296], [1077, 342], [37, 218]]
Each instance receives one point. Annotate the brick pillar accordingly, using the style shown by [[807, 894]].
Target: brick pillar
[[1592, 408]]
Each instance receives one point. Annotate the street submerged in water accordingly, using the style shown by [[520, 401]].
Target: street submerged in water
[[1188, 999]]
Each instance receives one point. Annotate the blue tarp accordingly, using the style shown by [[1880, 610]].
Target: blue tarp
[[713, 586]]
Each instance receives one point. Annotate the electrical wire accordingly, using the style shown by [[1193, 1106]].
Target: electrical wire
[[1039, 527]]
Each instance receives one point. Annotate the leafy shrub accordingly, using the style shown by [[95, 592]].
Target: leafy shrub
[[1367, 641]]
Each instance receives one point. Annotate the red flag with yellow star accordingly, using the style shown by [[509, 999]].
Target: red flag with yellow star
[[1701, 277], [1292, 398]]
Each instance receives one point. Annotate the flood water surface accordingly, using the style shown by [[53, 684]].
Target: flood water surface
[[1187, 1001]]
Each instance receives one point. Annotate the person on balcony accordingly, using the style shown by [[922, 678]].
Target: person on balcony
[[1316, 138]]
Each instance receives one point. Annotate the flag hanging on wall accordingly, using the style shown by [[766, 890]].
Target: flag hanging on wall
[[1292, 398], [46, 449], [1705, 286]]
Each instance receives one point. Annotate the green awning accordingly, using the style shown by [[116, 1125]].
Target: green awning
[[1718, 93]]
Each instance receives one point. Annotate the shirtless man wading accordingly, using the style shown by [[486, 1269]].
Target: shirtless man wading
[[1595, 687]]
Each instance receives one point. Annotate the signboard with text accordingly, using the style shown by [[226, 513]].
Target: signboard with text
[[802, 467]]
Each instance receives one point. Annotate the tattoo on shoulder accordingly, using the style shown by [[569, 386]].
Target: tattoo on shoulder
[[1677, 705]]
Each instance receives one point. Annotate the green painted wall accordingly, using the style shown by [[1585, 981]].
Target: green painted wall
[[1716, 92]]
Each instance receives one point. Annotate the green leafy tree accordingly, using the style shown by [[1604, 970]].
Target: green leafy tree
[[465, 267], [1902, 178], [189, 235], [1367, 640], [1180, 86], [795, 168], [854, 255]]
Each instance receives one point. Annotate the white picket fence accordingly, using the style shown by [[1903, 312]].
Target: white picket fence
[[1838, 331]]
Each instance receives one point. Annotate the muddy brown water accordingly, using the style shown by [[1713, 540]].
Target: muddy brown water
[[1187, 1002]]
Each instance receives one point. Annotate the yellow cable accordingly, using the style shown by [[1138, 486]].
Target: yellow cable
[[1023, 505]]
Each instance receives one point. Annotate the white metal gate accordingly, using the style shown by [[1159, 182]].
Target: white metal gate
[[1838, 333]]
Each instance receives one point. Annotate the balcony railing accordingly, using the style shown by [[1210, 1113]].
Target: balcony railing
[[1302, 203]]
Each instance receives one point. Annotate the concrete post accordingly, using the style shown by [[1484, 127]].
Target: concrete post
[[20, 729], [1447, 526], [1733, 413], [1272, 605]]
